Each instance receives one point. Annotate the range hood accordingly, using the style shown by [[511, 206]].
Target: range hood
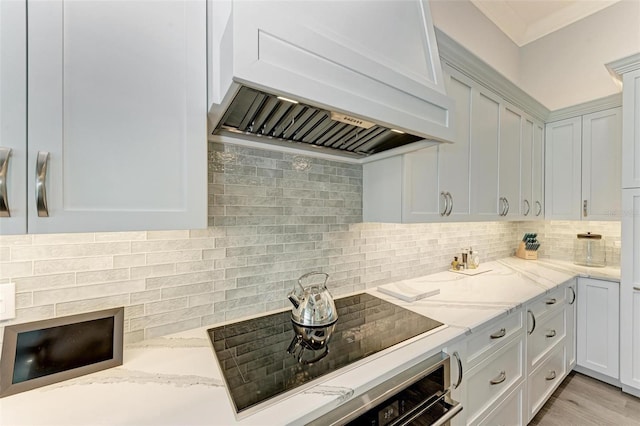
[[351, 78]]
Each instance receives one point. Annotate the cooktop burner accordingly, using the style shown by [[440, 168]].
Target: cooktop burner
[[269, 356]]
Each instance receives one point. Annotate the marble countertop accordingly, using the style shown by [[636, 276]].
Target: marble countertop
[[174, 380]]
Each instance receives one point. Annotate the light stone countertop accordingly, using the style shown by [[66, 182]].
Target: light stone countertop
[[175, 380]]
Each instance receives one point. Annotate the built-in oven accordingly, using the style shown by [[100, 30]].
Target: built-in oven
[[417, 396]]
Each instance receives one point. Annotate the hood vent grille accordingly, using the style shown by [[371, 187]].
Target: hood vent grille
[[253, 112]]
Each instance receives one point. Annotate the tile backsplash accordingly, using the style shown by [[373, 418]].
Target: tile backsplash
[[272, 217]]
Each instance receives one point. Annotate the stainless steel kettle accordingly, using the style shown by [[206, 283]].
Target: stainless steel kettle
[[313, 305]]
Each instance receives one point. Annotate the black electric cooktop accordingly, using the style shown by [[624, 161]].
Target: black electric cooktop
[[266, 357]]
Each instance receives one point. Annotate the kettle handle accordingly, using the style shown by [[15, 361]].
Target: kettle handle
[[326, 278]]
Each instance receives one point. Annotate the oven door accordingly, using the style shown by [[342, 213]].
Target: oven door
[[417, 396]]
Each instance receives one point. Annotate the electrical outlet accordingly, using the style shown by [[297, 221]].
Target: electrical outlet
[[7, 301]]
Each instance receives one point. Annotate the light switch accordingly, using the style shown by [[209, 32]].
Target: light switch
[[7, 301]]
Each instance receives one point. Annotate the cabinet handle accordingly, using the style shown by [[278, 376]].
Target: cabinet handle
[[446, 203], [450, 203], [551, 301], [501, 378], [636, 288], [533, 318], [573, 292], [539, 205], [506, 202], [460, 373], [41, 188], [584, 208], [503, 206], [551, 334], [528, 206], [551, 376], [498, 334], [5, 154]]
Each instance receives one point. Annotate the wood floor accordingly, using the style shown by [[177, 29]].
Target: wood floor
[[581, 400]]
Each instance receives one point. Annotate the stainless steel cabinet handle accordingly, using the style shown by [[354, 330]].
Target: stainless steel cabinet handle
[[460, 373], [502, 206], [551, 376], [501, 378], [443, 212], [528, 207], [533, 318], [450, 203], [506, 202], [584, 208], [41, 188], [498, 334], [551, 333], [573, 292], [5, 154], [539, 205], [636, 288], [551, 301]]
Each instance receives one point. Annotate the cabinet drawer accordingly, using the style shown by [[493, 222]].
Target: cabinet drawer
[[493, 336], [543, 381], [491, 379], [508, 412], [546, 334], [547, 303]]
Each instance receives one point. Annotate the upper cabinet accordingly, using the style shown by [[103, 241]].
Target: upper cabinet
[[583, 156], [631, 130], [116, 117]]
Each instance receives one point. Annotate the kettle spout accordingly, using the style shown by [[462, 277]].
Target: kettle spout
[[294, 300]]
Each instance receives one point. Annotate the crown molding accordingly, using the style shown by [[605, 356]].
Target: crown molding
[[601, 104], [618, 67], [462, 60]]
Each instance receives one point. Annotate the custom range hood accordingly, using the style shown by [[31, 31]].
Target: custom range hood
[[348, 78]]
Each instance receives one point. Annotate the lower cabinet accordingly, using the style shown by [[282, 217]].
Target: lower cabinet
[[598, 329], [504, 373]]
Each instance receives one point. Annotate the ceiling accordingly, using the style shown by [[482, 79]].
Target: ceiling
[[524, 21]]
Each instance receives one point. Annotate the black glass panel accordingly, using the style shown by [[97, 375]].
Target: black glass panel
[[264, 357], [52, 350]]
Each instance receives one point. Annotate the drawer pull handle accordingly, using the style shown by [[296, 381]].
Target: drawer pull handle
[[457, 356], [573, 292], [551, 301], [501, 378], [551, 376], [499, 334], [5, 155], [551, 334], [41, 189], [533, 318]]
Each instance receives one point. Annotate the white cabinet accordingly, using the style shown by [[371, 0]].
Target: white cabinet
[[116, 129], [511, 123], [598, 328], [571, 296], [631, 129], [13, 117], [630, 293], [532, 170], [583, 156]]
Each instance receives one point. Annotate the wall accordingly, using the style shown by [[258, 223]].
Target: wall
[[270, 223], [557, 237], [559, 70], [566, 67], [464, 23]]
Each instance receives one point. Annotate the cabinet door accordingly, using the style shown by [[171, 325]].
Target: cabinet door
[[537, 172], [485, 137], [510, 138], [570, 341], [453, 159], [527, 207], [117, 94], [13, 117], [601, 164], [598, 326], [420, 197], [631, 130], [563, 169], [630, 291]]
